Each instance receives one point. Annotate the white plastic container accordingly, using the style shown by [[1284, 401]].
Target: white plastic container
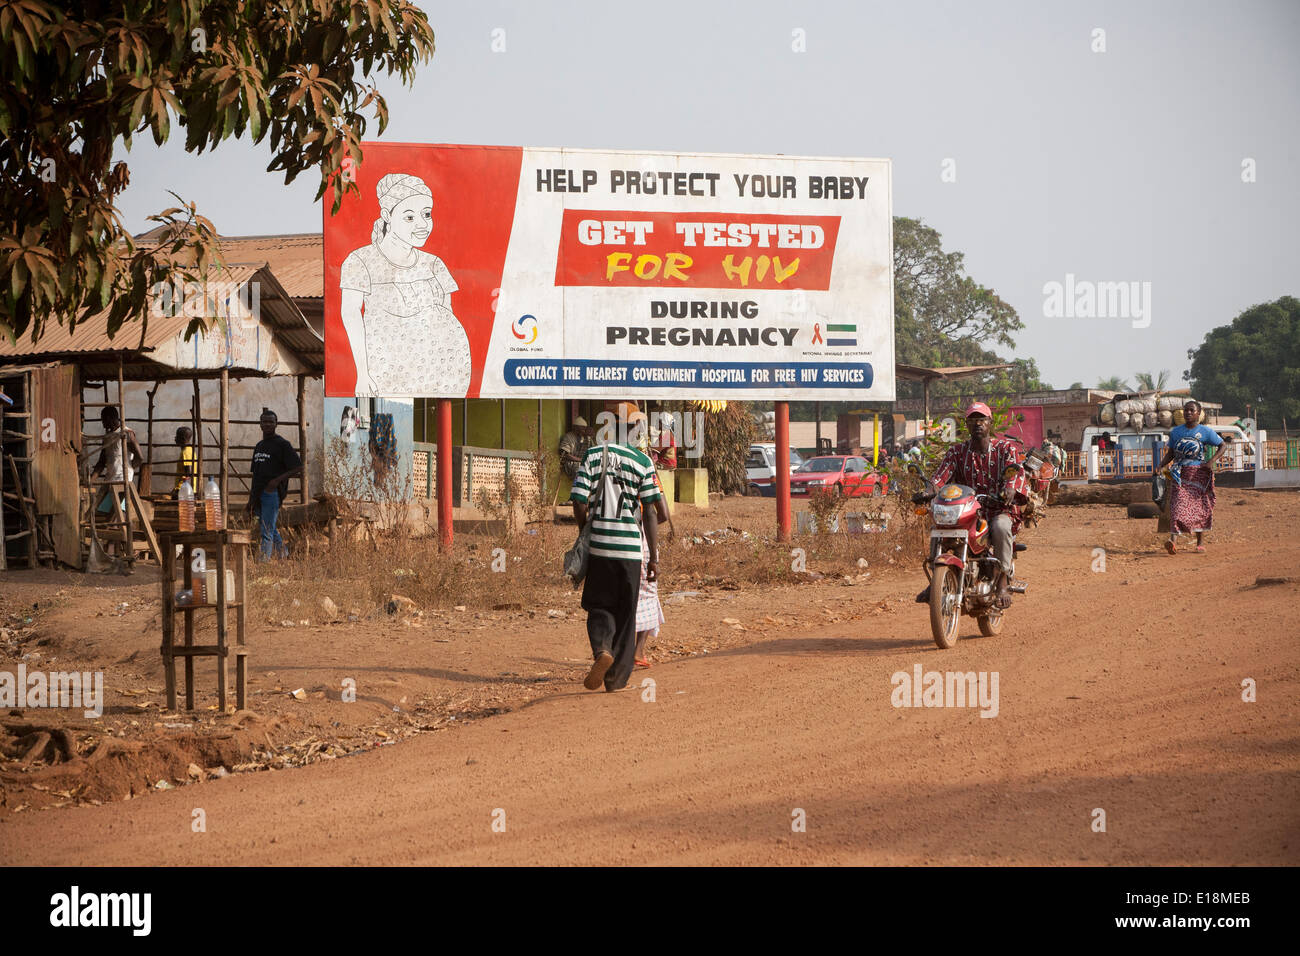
[[210, 586]]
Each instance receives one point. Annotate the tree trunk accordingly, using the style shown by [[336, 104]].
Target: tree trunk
[[1102, 494]]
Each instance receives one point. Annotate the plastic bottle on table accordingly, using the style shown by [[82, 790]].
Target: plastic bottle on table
[[185, 506], [212, 515]]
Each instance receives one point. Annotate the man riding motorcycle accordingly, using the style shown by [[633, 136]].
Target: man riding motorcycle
[[981, 464]]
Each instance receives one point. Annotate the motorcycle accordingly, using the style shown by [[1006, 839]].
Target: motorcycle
[[961, 567]]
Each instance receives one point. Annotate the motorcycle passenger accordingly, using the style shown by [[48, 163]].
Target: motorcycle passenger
[[1052, 452], [979, 464]]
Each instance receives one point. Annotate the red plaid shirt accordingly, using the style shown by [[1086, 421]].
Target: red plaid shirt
[[965, 466]]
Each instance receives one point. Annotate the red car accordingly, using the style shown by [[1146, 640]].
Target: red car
[[841, 474]]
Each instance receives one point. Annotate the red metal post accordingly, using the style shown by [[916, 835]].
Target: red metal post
[[444, 474], [783, 471]]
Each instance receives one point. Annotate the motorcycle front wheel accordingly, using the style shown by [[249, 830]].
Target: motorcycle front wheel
[[944, 609]]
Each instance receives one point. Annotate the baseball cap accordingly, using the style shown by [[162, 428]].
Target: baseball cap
[[979, 408]]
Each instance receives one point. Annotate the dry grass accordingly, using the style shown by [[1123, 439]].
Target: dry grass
[[379, 553], [706, 555], [520, 567], [361, 574]]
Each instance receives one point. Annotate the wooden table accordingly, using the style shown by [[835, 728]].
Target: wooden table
[[214, 545]]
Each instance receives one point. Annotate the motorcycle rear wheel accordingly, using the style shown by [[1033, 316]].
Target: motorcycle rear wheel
[[945, 612]]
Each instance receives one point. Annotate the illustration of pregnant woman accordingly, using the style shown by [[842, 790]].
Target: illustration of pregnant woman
[[396, 302]]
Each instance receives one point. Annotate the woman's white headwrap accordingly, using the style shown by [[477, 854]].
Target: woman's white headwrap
[[393, 189]]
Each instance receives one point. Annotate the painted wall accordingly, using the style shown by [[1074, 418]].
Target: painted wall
[[485, 425], [804, 434], [337, 472], [1029, 431]]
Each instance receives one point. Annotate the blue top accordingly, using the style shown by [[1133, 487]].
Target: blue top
[[1188, 445]]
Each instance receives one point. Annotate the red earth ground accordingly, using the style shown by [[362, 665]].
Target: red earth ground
[[1120, 690]]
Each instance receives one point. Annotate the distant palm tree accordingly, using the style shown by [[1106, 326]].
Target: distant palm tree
[[1153, 383], [1114, 384]]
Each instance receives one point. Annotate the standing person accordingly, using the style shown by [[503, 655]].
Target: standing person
[[274, 463], [649, 612], [186, 463], [664, 447], [980, 463], [637, 430], [610, 593], [110, 463], [573, 446], [1191, 500]]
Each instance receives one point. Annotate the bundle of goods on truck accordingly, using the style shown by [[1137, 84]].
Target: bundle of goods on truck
[[1164, 411]]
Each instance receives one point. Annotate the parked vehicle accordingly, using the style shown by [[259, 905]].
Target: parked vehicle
[[962, 569], [1130, 440], [760, 468], [847, 475], [1153, 441]]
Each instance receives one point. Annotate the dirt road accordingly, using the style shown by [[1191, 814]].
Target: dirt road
[[1118, 690]]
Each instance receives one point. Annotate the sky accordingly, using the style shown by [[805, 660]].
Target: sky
[[1153, 143]]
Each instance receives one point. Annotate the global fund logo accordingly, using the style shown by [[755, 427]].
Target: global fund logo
[[525, 329]]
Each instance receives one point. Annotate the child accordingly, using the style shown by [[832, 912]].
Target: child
[[186, 464], [649, 612]]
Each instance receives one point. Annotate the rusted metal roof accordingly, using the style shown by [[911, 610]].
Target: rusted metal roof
[[298, 260], [153, 343], [961, 371], [91, 334], [302, 280]]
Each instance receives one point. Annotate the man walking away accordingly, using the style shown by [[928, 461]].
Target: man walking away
[[274, 463], [610, 593]]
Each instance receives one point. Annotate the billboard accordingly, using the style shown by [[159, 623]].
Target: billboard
[[508, 272]]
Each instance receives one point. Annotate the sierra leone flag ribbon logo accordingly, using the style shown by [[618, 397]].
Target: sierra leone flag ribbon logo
[[841, 334]]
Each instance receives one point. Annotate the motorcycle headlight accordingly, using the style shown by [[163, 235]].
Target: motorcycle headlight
[[946, 514]]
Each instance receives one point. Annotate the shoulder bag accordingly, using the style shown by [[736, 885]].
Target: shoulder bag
[[578, 556]]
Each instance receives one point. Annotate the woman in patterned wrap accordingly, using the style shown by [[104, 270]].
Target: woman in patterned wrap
[[1191, 499], [649, 612], [396, 302]]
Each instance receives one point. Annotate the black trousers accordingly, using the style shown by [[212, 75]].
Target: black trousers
[[609, 597]]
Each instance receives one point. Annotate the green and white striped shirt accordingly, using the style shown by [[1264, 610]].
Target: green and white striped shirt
[[615, 531]]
